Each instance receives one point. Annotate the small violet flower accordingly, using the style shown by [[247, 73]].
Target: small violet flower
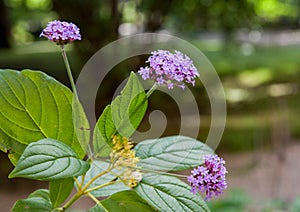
[[169, 69], [61, 32], [210, 177]]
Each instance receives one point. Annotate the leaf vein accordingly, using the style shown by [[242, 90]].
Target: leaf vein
[[28, 112], [10, 103]]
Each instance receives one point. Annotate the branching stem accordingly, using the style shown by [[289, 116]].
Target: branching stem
[[86, 190]]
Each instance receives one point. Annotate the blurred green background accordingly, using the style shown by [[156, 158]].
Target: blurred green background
[[253, 45]]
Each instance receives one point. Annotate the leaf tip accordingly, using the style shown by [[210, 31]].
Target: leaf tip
[[12, 174]]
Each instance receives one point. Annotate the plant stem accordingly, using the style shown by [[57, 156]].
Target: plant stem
[[85, 191], [77, 183], [82, 180], [73, 199], [99, 186], [152, 89], [96, 201], [160, 172], [154, 171], [93, 198], [66, 61], [96, 177]]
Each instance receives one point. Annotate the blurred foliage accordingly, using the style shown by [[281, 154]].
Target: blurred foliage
[[103, 21], [194, 16], [237, 200], [277, 11], [295, 206], [27, 17], [97, 20]]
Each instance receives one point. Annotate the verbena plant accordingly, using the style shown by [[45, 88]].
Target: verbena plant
[[46, 135]]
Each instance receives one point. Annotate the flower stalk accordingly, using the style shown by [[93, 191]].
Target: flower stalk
[[62, 33], [151, 90], [69, 72]]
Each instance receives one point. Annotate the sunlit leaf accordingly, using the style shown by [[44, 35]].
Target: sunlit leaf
[[122, 117], [81, 125], [103, 132], [34, 106], [128, 109]]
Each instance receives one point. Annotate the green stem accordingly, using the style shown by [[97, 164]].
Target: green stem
[[66, 61], [73, 199], [155, 171], [96, 201], [159, 172], [95, 178], [77, 183], [100, 186], [93, 198], [152, 89], [82, 180], [85, 191]]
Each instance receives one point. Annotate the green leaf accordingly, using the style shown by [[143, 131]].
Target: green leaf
[[98, 167], [121, 117], [126, 201], [14, 157], [128, 109], [38, 201], [14, 151], [167, 193], [171, 153], [103, 132], [81, 125], [60, 190], [49, 159], [13, 148], [97, 208], [34, 106]]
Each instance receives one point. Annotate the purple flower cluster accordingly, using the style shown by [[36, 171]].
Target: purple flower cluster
[[61, 32], [209, 178], [169, 69]]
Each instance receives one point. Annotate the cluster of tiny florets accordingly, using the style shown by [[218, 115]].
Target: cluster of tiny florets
[[123, 158], [61, 32], [169, 69], [210, 177]]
